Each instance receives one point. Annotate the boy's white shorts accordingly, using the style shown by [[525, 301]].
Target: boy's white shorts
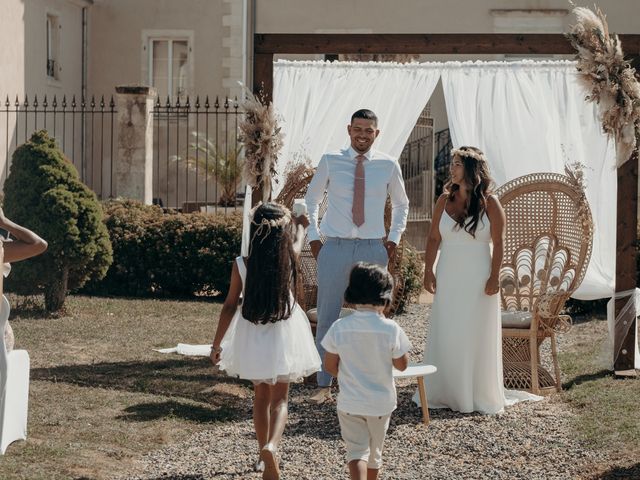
[[364, 437]]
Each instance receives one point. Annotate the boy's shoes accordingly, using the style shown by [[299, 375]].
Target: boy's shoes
[[271, 468], [321, 395]]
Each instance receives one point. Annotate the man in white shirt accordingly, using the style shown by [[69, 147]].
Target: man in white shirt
[[357, 181]]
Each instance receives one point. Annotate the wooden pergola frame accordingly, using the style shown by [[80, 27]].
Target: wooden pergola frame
[[266, 45]]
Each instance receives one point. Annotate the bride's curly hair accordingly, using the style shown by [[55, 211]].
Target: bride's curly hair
[[480, 186], [272, 266]]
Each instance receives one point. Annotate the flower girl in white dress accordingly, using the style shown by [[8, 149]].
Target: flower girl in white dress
[[268, 339]]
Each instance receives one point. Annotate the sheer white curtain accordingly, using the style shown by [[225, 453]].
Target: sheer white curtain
[[316, 100], [527, 116], [531, 117]]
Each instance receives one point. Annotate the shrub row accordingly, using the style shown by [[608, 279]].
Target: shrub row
[[168, 254], [172, 254]]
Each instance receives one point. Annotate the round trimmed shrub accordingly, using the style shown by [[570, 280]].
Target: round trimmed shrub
[[44, 193]]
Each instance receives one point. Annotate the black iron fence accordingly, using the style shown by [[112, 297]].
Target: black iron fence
[[443, 159], [84, 130], [197, 157], [416, 162]]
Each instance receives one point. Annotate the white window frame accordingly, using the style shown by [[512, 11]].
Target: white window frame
[[148, 37], [53, 49]]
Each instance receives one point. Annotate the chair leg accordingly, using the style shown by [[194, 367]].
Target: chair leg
[[533, 349], [422, 391], [556, 365]]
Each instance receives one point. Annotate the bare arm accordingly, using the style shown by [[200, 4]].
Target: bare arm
[[331, 362], [498, 221], [433, 243], [228, 311], [25, 244], [401, 363]]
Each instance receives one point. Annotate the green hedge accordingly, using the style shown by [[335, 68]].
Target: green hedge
[[168, 254], [173, 254]]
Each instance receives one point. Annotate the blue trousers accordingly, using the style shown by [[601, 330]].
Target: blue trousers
[[335, 261]]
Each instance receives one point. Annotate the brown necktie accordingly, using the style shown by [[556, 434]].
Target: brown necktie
[[357, 210]]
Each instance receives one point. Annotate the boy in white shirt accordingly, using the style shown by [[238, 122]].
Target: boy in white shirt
[[361, 351]]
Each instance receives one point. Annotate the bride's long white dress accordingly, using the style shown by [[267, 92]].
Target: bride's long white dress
[[464, 340]]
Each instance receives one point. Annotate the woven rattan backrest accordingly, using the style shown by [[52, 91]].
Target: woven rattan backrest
[[296, 188], [549, 236]]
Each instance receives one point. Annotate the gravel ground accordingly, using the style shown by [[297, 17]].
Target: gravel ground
[[529, 441]]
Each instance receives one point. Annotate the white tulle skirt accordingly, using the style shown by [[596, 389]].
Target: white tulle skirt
[[276, 352]]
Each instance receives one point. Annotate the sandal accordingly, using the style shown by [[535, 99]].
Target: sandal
[[271, 468]]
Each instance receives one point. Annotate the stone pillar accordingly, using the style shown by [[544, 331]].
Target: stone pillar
[[134, 168]]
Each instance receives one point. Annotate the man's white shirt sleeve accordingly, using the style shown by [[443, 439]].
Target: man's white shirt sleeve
[[314, 196], [399, 204]]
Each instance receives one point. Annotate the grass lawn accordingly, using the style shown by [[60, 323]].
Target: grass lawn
[[607, 408], [100, 397]]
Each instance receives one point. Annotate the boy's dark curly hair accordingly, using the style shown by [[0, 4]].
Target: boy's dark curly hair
[[369, 284]]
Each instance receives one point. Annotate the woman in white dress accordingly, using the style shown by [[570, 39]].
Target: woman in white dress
[[464, 340]]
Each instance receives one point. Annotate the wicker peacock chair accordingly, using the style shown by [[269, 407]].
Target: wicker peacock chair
[[295, 187], [548, 243]]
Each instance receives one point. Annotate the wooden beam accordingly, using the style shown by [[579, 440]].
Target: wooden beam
[[409, 43], [263, 75], [624, 338], [626, 251]]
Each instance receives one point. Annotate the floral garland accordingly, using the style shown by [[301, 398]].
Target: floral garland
[[467, 153], [608, 77], [261, 135]]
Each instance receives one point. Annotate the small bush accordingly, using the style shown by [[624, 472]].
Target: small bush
[[44, 193], [168, 254], [412, 272]]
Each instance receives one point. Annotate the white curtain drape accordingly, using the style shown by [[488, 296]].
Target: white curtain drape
[[527, 116], [316, 100], [531, 117]]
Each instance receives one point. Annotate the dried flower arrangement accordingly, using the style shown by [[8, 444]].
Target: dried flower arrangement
[[298, 172], [261, 135], [575, 172], [608, 77], [298, 168]]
